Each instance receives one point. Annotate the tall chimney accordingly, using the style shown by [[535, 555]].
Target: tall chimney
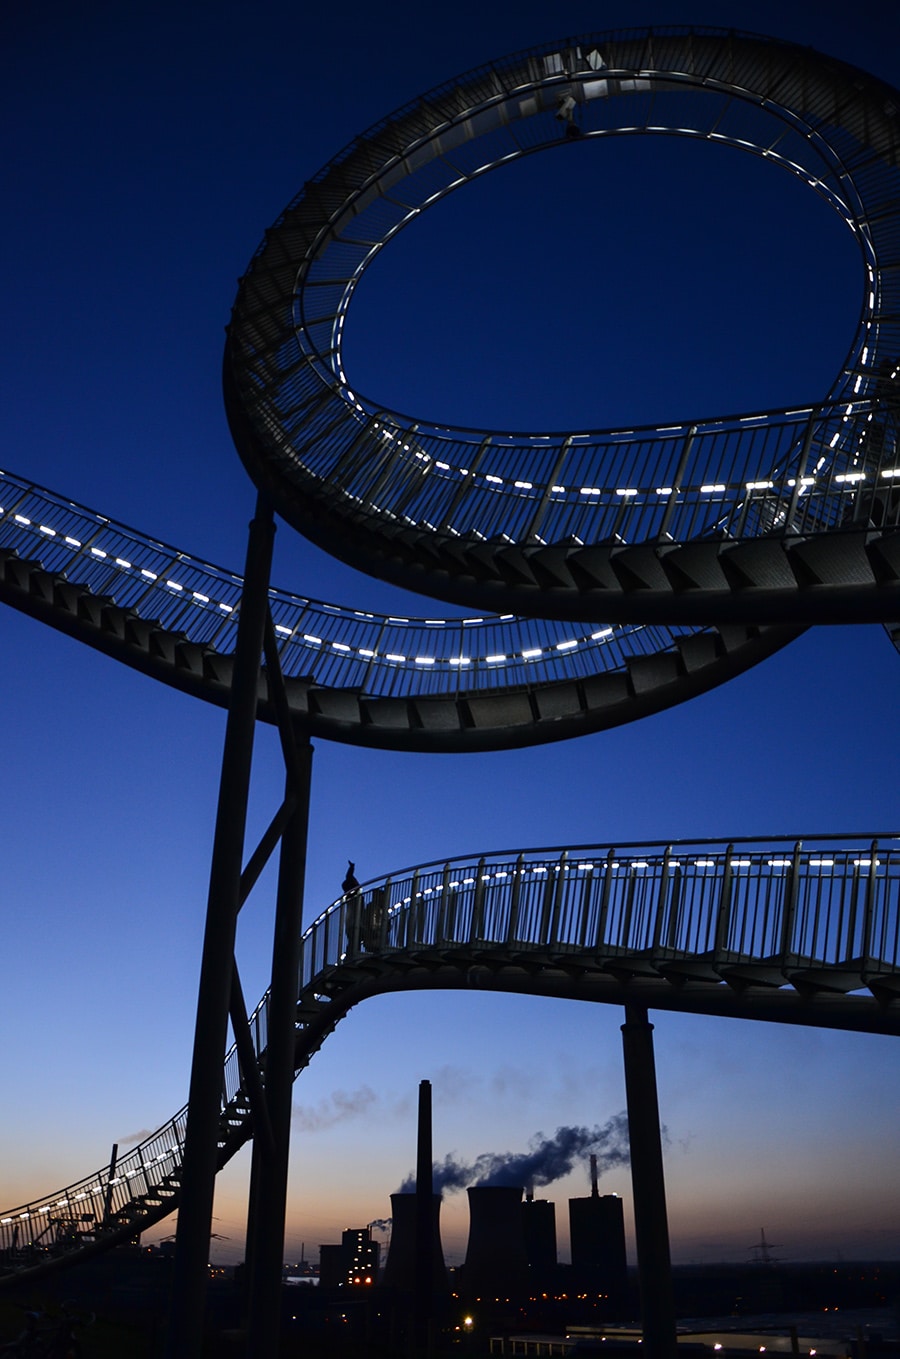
[[424, 1216], [595, 1192]]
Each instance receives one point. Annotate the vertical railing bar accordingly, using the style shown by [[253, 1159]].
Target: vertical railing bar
[[723, 912], [559, 888], [475, 925], [515, 897], [676, 483], [868, 951], [790, 906], [661, 898], [603, 912], [585, 906]]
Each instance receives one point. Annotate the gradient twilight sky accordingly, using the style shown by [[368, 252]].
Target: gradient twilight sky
[[146, 149]]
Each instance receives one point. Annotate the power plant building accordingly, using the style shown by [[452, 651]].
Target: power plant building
[[539, 1230], [597, 1233]]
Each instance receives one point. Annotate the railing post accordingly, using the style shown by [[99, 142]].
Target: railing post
[[476, 928], [868, 950], [442, 924], [416, 934], [385, 915], [661, 898], [515, 897], [676, 483], [588, 883], [603, 912], [557, 898], [543, 938], [801, 473], [790, 905], [723, 914]]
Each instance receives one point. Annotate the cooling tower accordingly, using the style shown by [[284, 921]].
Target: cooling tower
[[496, 1260], [400, 1270]]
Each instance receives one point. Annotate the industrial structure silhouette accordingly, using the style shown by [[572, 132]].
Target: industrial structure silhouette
[[702, 546]]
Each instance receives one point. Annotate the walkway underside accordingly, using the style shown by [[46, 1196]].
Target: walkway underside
[[795, 932]]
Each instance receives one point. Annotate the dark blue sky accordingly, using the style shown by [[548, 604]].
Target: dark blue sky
[[146, 149]]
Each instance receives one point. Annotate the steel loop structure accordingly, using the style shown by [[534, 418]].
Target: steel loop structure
[[805, 933], [786, 516], [624, 570]]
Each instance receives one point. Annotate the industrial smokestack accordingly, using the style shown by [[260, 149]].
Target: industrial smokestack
[[595, 1192], [496, 1260], [424, 1214]]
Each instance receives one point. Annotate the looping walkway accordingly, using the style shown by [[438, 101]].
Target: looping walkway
[[789, 516]]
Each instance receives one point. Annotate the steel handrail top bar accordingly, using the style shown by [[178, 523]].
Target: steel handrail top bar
[[788, 516], [641, 847], [804, 931], [352, 675]]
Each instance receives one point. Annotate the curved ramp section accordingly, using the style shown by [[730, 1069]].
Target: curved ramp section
[[789, 516], [799, 932], [402, 683]]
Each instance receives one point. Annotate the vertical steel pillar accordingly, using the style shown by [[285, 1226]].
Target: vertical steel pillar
[[185, 1331], [269, 1173], [648, 1187]]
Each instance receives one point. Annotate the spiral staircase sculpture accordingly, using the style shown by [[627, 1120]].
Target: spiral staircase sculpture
[[703, 546]]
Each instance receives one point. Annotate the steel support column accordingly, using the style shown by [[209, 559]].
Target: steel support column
[[200, 1160], [648, 1187], [269, 1172]]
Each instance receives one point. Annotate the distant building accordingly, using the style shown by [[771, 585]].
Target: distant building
[[352, 1264], [597, 1231], [539, 1227]]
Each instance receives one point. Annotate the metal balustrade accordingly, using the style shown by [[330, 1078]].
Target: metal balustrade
[[174, 615], [815, 921], [328, 644]]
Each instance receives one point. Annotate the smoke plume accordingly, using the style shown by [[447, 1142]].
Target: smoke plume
[[341, 1105], [548, 1159]]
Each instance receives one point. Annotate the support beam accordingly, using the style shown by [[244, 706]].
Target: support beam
[[648, 1187], [269, 1172], [200, 1161]]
